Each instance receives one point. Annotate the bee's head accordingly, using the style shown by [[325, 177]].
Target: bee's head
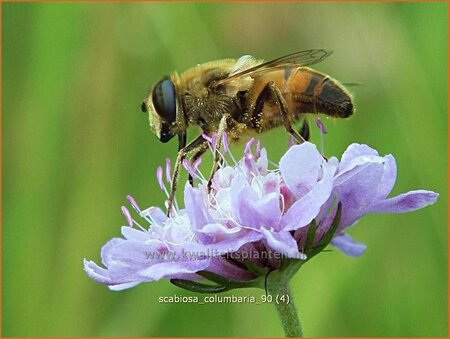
[[161, 106]]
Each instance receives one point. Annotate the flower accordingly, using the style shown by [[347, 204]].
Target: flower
[[249, 197], [148, 254], [250, 218], [362, 184]]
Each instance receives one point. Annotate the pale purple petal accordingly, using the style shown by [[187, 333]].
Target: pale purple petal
[[131, 233], [155, 214], [406, 202], [130, 261], [288, 198], [353, 152], [127, 254], [346, 244], [388, 179], [101, 275], [226, 269], [254, 211], [97, 273], [304, 210], [196, 207], [263, 162], [282, 242], [358, 170], [219, 231], [300, 168], [233, 244], [168, 269], [267, 184], [324, 220], [358, 191], [121, 287], [223, 177]]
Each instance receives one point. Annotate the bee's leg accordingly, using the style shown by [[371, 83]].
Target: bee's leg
[[182, 144], [195, 146], [272, 91], [275, 91], [181, 141], [217, 159], [197, 155], [304, 131]]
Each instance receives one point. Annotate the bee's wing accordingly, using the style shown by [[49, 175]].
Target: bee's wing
[[303, 58], [244, 63]]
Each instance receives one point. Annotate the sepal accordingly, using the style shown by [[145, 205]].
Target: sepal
[[194, 286], [327, 237]]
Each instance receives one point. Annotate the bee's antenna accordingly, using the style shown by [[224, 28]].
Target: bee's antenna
[[352, 84]]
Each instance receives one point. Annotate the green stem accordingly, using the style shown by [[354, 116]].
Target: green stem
[[284, 303]]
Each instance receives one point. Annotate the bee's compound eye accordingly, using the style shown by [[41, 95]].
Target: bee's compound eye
[[164, 100], [144, 107]]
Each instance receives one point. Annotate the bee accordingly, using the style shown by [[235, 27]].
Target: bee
[[242, 97]]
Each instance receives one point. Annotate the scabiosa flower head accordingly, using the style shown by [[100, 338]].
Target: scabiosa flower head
[[252, 218], [148, 253], [271, 204]]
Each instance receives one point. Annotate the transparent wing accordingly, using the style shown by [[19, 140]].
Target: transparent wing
[[244, 62], [302, 58]]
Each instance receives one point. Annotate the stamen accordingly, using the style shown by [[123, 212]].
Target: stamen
[[169, 171], [134, 204], [148, 219], [159, 176], [140, 226], [225, 142], [258, 148], [190, 168], [127, 215], [283, 204], [174, 209], [136, 207], [248, 146], [227, 215], [274, 164], [214, 142], [321, 126], [147, 214], [291, 141], [235, 163], [249, 161], [207, 138], [222, 156], [323, 131], [210, 142], [196, 166], [248, 155], [256, 177], [166, 203], [175, 204]]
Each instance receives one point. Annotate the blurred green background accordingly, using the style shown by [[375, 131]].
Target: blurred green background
[[75, 144]]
